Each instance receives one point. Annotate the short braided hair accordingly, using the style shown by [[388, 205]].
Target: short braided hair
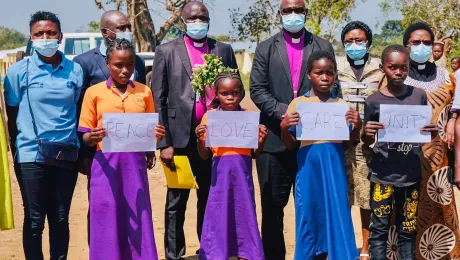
[[318, 55], [44, 16], [223, 76], [119, 44], [394, 48], [357, 25], [455, 58], [416, 27]]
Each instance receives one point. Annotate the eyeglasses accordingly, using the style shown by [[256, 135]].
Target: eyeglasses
[[121, 28], [287, 11], [351, 41], [418, 42], [196, 19]]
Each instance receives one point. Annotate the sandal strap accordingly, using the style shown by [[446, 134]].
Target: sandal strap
[[366, 255]]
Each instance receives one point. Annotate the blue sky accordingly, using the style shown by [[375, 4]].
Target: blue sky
[[77, 13]]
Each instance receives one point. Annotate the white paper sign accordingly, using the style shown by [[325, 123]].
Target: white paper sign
[[232, 129], [322, 121], [129, 132], [403, 122]]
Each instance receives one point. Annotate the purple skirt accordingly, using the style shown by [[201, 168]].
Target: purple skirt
[[121, 224], [230, 222]]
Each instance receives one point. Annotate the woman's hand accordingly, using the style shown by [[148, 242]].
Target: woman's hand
[[160, 132], [290, 120], [97, 134], [263, 133], [372, 127], [352, 117], [200, 131], [151, 160], [432, 128], [450, 133]]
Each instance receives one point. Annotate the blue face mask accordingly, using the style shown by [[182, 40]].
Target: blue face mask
[[45, 47], [197, 31], [125, 35], [420, 53], [293, 22], [356, 51]]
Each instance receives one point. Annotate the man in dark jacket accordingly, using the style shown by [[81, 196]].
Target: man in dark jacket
[[180, 112], [279, 74]]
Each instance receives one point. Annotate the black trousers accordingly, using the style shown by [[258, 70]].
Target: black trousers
[[404, 202], [46, 192], [277, 173], [176, 203]]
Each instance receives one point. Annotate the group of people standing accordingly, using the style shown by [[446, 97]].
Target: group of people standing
[[404, 191]]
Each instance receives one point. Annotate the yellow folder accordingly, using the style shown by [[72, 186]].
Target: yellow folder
[[182, 177], [6, 202]]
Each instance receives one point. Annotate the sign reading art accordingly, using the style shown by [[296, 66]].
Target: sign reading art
[[129, 132], [403, 123], [322, 121], [232, 129]]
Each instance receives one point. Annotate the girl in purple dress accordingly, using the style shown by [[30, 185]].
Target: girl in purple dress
[[230, 222]]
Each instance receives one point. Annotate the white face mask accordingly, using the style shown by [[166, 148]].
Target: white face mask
[[45, 47]]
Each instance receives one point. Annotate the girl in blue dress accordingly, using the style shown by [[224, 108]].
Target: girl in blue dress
[[324, 229]]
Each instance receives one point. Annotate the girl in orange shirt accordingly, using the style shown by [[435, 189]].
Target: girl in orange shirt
[[121, 224]]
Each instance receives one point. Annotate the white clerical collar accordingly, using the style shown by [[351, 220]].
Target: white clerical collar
[[421, 67], [294, 40], [359, 62], [198, 44]]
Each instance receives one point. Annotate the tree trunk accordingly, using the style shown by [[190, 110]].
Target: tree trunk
[[144, 30]]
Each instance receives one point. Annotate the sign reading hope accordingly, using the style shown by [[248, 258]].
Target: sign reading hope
[[322, 121], [232, 129], [403, 123], [129, 132]]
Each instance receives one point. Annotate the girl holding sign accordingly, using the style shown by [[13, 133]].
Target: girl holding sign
[[395, 170], [323, 218], [230, 222], [121, 224]]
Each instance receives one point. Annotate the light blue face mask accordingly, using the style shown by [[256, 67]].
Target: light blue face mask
[[45, 47], [293, 22], [197, 31], [420, 53], [125, 35], [356, 51]]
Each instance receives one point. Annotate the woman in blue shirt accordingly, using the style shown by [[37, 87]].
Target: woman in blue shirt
[[41, 95]]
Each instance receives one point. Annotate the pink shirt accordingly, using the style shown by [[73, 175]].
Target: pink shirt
[[294, 49], [195, 53]]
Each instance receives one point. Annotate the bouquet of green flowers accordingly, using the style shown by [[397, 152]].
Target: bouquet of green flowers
[[204, 75]]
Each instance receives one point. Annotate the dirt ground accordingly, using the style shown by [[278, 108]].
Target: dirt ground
[[11, 240]]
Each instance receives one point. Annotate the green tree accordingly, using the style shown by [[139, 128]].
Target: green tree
[[441, 15], [328, 12], [11, 39], [391, 33], [257, 23], [92, 26]]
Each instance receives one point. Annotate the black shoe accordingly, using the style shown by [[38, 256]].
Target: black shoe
[[197, 252]]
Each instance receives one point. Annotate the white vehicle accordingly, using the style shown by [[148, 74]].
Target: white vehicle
[[74, 44]]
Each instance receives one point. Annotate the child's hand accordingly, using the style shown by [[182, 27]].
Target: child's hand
[[430, 128], [290, 120], [200, 130], [372, 127], [160, 132], [97, 134], [263, 133], [450, 133], [353, 118], [151, 160]]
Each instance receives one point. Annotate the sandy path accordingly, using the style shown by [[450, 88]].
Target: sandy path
[[11, 240]]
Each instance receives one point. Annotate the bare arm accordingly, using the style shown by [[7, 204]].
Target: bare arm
[[263, 133], [289, 120], [12, 113]]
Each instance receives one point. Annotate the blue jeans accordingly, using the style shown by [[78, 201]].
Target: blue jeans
[[404, 202], [46, 192]]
